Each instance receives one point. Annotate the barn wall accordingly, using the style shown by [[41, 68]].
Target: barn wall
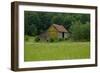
[[66, 35], [59, 35], [52, 32]]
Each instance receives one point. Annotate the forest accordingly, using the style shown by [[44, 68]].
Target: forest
[[78, 24]]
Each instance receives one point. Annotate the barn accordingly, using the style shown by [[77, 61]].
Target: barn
[[55, 31]]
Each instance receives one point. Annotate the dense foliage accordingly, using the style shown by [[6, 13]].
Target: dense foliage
[[77, 24]]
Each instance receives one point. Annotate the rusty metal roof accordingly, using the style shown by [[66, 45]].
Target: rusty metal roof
[[60, 28]]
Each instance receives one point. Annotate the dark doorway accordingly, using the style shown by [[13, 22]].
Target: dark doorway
[[62, 34]]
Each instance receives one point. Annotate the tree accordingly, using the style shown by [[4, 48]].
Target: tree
[[32, 23], [80, 32]]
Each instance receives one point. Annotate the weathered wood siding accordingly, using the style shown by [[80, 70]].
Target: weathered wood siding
[[59, 35], [52, 32], [66, 35]]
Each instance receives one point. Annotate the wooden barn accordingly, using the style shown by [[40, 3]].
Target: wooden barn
[[55, 32]]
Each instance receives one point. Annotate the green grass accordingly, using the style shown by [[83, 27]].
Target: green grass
[[56, 51]]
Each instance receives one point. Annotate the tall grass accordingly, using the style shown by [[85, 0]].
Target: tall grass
[[56, 51]]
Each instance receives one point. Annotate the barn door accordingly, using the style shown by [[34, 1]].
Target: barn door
[[62, 34]]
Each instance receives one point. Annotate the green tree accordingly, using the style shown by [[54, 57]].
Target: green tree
[[80, 32]]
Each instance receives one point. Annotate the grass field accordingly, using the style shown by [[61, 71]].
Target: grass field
[[56, 51]]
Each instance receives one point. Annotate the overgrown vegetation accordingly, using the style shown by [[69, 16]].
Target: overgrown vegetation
[[26, 37], [36, 39], [56, 51], [80, 32]]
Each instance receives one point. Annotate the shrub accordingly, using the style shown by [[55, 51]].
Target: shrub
[[66, 38], [37, 39], [51, 40], [26, 38], [61, 39]]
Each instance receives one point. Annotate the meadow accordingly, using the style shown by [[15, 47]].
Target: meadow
[[40, 51]]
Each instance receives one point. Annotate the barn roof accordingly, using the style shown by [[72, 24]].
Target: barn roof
[[60, 28]]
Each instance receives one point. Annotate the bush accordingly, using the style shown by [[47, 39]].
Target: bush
[[26, 38], [66, 38], [51, 40], [61, 39], [37, 39]]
